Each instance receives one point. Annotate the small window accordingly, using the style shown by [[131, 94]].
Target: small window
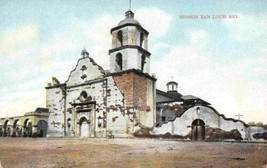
[[83, 94], [198, 110], [163, 118], [141, 39], [120, 37], [143, 62], [119, 60], [69, 122], [83, 68]]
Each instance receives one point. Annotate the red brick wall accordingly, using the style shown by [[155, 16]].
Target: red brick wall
[[134, 88]]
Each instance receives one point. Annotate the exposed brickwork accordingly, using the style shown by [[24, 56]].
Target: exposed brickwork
[[134, 88]]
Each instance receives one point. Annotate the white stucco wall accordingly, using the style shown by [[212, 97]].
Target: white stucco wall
[[92, 71], [55, 104], [182, 125]]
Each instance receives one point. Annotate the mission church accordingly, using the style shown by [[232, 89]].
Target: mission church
[[123, 101]]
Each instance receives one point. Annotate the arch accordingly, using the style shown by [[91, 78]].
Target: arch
[[198, 130], [120, 37], [7, 128], [42, 128], [27, 132], [84, 127], [84, 94], [69, 123], [119, 60], [17, 128]]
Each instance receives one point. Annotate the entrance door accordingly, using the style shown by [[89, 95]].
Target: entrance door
[[198, 130], [84, 128]]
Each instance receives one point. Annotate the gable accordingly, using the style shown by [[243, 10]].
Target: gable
[[85, 70]]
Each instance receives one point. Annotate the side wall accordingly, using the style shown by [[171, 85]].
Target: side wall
[[55, 102], [182, 125]]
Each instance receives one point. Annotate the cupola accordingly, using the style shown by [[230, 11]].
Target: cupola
[[172, 88]]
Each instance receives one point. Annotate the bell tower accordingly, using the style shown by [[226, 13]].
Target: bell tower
[[129, 46], [129, 67]]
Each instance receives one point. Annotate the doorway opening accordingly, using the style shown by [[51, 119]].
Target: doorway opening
[[198, 130]]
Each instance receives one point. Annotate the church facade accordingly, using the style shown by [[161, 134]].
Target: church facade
[[124, 101], [97, 103]]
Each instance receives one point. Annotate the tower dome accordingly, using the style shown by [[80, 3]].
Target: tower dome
[[129, 19]]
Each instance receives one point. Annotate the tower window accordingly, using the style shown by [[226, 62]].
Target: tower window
[[119, 60], [119, 36], [143, 62], [141, 39]]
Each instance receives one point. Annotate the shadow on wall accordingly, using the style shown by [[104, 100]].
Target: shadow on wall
[[211, 134], [260, 136]]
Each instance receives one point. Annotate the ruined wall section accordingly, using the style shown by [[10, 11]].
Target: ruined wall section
[[139, 96], [147, 112], [229, 125], [182, 125], [55, 103], [117, 115]]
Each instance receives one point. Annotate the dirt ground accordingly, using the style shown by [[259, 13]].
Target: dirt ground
[[71, 152]]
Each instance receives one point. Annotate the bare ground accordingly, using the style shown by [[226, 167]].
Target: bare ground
[[70, 152]]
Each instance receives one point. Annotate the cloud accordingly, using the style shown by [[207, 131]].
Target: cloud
[[247, 27], [199, 38], [154, 19], [230, 88], [99, 33], [30, 63], [21, 105], [16, 39]]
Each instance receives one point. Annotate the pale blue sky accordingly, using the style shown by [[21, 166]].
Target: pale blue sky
[[220, 60]]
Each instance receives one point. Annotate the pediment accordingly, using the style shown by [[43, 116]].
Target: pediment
[[86, 70]]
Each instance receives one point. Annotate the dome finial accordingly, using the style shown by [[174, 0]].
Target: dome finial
[[130, 4], [129, 14]]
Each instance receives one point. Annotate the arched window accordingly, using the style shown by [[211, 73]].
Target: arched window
[[141, 39], [119, 60], [120, 37], [68, 123], [143, 62], [84, 94]]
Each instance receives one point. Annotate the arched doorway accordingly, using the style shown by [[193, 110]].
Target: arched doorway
[[42, 128], [27, 128], [198, 130], [7, 128], [17, 129], [84, 127]]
